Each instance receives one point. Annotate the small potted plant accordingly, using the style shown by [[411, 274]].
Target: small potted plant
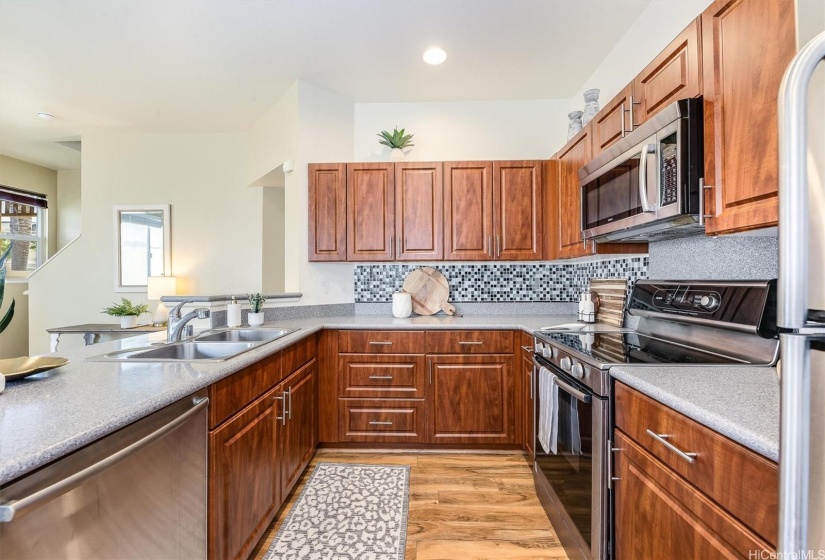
[[127, 311], [255, 317], [396, 141]]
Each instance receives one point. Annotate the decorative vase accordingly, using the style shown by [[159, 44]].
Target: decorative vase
[[401, 305], [575, 123], [128, 322], [591, 105], [255, 319], [397, 153]]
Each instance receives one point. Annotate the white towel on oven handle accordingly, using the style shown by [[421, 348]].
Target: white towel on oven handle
[[548, 411]]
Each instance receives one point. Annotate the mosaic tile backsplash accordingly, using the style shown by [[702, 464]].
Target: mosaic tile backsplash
[[375, 283]]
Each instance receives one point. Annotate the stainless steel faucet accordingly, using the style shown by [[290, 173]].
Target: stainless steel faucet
[[176, 324]]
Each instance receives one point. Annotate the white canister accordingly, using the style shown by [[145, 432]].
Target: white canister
[[401, 305], [233, 313]]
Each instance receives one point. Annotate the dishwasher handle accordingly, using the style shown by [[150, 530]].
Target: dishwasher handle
[[51, 491]]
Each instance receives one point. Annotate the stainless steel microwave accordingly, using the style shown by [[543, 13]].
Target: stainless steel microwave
[[649, 183]]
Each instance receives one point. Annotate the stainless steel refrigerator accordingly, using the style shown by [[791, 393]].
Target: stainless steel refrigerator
[[801, 305]]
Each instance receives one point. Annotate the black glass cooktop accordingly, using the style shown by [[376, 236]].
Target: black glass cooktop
[[634, 348]]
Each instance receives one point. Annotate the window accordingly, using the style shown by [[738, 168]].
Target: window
[[23, 225], [141, 245]]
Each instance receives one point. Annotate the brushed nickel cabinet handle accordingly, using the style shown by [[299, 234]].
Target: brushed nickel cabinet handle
[[498, 246], [381, 342], [392, 247], [527, 349], [631, 119], [633, 124], [380, 376], [430, 370], [282, 417], [380, 423], [289, 393], [662, 438], [399, 246], [470, 342], [490, 245]]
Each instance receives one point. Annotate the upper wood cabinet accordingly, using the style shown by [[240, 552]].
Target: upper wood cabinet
[[676, 73], [468, 210], [517, 210], [740, 91], [327, 212], [418, 211], [570, 160], [612, 122], [370, 211]]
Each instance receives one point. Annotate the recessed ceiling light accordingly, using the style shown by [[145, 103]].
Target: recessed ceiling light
[[45, 116], [435, 55]]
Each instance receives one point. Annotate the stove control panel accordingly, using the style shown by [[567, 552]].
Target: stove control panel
[[748, 304]]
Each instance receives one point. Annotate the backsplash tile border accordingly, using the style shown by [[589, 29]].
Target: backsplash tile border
[[500, 282]]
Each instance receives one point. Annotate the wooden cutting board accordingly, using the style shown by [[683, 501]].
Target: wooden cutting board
[[429, 290], [612, 297]]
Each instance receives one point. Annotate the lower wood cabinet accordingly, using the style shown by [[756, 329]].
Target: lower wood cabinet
[[471, 399], [244, 490], [381, 421], [528, 407], [382, 376], [297, 434], [719, 502]]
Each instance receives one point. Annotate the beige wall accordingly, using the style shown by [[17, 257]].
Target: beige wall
[[216, 224], [68, 206]]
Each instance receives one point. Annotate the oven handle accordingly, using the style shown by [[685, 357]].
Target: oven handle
[[646, 205], [566, 387]]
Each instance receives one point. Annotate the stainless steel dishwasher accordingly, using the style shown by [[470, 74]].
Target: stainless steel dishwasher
[[137, 493]]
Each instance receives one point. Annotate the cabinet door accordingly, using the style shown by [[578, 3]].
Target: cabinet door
[[370, 212], [471, 399], [740, 91], [298, 436], [468, 211], [676, 73], [658, 515], [327, 212], [418, 211], [611, 123], [517, 210], [244, 493], [571, 159]]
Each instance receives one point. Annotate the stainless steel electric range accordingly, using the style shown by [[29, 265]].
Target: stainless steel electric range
[[680, 324]]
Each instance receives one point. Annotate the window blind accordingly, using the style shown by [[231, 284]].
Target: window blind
[[19, 196]]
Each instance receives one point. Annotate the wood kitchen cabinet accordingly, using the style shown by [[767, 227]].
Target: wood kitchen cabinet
[[681, 506], [471, 399], [297, 433], [327, 212], [517, 210], [468, 210], [612, 122], [244, 488], [418, 211], [370, 211], [573, 156], [740, 109], [528, 408]]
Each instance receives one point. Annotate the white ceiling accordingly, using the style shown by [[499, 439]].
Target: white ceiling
[[217, 65]]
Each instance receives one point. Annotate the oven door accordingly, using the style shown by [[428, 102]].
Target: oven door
[[570, 473], [622, 193]]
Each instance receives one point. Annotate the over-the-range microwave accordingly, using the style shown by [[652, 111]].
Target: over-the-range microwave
[[649, 183]]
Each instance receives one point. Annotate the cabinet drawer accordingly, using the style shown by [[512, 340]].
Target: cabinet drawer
[[469, 342], [381, 421], [369, 376], [382, 342], [752, 495]]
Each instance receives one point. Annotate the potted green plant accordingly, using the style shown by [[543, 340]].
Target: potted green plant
[[127, 311], [255, 318], [396, 141]]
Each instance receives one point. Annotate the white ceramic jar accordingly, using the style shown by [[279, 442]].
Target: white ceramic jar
[[401, 305]]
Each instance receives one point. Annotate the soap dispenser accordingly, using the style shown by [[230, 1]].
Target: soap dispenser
[[581, 307], [233, 313], [589, 308]]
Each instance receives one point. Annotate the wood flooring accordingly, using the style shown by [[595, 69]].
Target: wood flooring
[[462, 506]]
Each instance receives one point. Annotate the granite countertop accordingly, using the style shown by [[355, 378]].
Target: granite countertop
[[739, 402], [46, 416]]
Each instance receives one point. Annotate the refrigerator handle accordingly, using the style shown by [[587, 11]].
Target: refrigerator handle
[[792, 298]]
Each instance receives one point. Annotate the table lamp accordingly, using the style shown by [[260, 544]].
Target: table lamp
[[157, 287]]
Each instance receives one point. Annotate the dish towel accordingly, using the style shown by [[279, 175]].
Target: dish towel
[[548, 411]]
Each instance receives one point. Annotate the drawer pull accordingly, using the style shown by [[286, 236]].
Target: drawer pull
[[380, 423], [380, 376], [662, 438], [469, 342], [381, 342], [528, 349]]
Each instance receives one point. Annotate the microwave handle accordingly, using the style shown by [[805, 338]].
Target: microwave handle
[[646, 205]]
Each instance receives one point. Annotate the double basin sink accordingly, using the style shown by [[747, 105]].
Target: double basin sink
[[211, 346]]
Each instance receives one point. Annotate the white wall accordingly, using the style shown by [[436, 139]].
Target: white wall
[[655, 28], [273, 138], [216, 224], [464, 130], [68, 206]]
